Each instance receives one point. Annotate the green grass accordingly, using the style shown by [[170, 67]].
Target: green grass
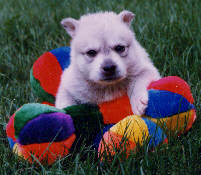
[[169, 30]]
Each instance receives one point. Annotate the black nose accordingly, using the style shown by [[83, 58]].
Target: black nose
[[109, 67]]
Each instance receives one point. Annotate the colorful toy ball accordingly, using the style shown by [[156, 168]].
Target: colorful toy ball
[[40, 132], [130, 132], [46, 73]]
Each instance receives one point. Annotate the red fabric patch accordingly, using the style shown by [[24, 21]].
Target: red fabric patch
[[48, 103], [10, 131], [173, 84], [47, 152], [165, 141], [116, 110], [48, 71]]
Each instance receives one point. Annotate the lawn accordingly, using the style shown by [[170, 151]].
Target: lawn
[[169, 30]]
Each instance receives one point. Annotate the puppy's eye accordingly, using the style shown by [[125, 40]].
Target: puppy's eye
[[91, 53], [119, 48]]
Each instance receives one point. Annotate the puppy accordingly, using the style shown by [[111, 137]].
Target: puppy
[[107, 62]]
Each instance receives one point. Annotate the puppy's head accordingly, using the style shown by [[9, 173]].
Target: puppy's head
[[101, 45]]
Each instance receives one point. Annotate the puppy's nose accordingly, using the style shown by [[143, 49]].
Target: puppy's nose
[[109, 67]]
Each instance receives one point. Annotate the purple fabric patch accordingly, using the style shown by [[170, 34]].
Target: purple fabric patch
[[49, 127]]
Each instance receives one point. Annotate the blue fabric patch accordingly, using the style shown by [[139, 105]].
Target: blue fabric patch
[[155, 133], [165, 104], [63, 56], [11, 142], [49, 127], [100, 136]]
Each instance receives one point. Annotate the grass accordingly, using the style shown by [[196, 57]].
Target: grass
[[169, 30]]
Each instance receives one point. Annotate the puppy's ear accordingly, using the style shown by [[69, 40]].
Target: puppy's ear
[[70, 25], [126, 17]]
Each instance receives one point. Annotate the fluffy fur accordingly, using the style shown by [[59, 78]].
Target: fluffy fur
[[87, 79]]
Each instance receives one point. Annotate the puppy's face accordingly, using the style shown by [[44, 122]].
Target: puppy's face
[[100, 45]]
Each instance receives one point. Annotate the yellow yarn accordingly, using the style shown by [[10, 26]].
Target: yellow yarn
[[133, 128]]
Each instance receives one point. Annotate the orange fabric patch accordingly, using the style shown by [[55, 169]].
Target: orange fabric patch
[[112, 141], [48, 71], [116, 110], [47, 152]]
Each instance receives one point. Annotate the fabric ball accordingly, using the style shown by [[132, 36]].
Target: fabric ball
[[130, 132], [38, 131], [46, 73]]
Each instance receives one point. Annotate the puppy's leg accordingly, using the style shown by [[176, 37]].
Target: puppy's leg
[[138, 90], [63, 98]]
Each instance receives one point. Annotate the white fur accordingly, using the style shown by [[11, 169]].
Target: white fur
[[81, 81]]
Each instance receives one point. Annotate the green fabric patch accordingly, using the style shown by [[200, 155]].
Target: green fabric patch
[[29, 111], [88, 122], [39, 91]]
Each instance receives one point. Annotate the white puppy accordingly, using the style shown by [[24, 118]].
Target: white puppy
[[106, 62]]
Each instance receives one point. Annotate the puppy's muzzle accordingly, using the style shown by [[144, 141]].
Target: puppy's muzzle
[[109, 71]]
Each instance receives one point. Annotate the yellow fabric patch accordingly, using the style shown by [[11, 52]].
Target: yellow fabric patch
[[16, 150], [132, 128], [177, 122]]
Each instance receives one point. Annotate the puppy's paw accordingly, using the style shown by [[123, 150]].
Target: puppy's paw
[[139, 102], [63, 103], [60, 105]]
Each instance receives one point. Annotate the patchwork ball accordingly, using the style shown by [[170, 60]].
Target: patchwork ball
[[41, 132], [129, 133], [46, 73]]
